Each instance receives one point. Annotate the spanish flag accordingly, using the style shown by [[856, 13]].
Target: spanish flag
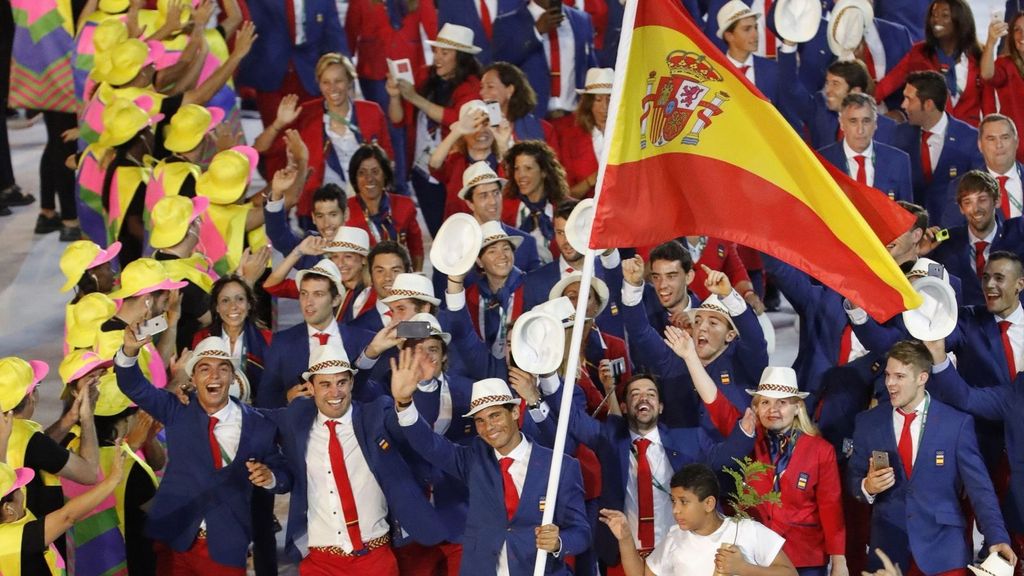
[[696, 149]]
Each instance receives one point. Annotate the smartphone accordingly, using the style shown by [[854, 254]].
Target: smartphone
[[998, 14], [414, 330], [880, 459], [555, 7], [942, 235], [618, 368], [493, 113], [151, 327]]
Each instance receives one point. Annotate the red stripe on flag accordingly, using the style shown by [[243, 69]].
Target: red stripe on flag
[[719, 197]]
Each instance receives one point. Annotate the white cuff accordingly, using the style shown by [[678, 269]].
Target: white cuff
[[409, 416], [857, 315], [455, 302], [612, 260], [749, 435], [558, 552], [273, 482], [632, 295], [549, 384], [941, 366], [734, 303], [540, 413], [274, 205], [864, 491], [123, 360], [364, 362], [787, 49]]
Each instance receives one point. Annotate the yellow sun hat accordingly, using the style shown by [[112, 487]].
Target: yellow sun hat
[[108, 33], [228, 176], [81, 256], [11, 479], [113, 6], [111, 401], [18, 378], [171, 217], [188, 126], [122, 120], [144, 276], [85, 318], [77, 364]]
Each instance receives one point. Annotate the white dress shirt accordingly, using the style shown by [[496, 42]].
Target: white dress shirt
[[492, 7], [988, 247], [300, 21], [937, 139], [915, 437], [853, 168], [521, 455], [384, 311], [749, 62], [345, 146], [444, 410], [566, 100], [334, 335], [1013, 188], [325, 516], [661, 472], [1016, 334], [877, 49]]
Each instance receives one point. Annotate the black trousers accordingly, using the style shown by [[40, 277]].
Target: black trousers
[[6, 46], [56, 180]]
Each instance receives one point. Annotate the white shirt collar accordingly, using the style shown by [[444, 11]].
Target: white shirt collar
[[654, 436], [920, 405], [1015, 317], [989, 238], [748, 62], [1011, 173], [851, 153], [535, 10], [940, 126], [518, 453], [228, 414], [331, 329], [346, 418]]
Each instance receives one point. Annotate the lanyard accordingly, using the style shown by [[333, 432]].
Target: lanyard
[[498, 346]]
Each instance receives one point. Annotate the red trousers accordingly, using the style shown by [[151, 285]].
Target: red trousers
[[441, 560], [195, 562], [266, 102], [380, 562]]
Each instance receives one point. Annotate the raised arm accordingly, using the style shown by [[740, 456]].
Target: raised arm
[[59, 521]]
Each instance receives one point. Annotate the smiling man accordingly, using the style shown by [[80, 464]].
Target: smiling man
[[997, 142], [330, 210], [201, 515], [916, 513], [505, 474]]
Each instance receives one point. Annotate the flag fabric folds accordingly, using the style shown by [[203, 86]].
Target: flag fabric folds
[[696, 149]]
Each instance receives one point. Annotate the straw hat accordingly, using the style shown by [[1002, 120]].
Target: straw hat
[[714, 304], [936, 317], [412, 285], [598, 81], [778, 382], [80, 257], [493, 232], [350, 239], [994, 565], [328, 359], [596, 283], [188, 126], [578, 225], [478, 173], [18, 378], [229, 174], [489, 392], [559, 308], [455, 37], [456, 245], [732, 12], [846, 26], [171, 216], [797, 20], [144, 276], [325, 268]]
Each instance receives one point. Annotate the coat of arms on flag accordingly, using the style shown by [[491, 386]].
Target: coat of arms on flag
[[680, 97]]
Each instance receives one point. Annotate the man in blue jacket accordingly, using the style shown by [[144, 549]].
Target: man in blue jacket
[[201, 515], [506, 475], [930, 451]]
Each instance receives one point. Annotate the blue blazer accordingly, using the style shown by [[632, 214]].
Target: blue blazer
[[911, 14], [408, 507], [959, 154], [921, 517], [526, 257], [607, 54], [737, 368], [1003, 402], [896, 42], [957, 254], [951, 215], [515, 41], [265, 67], [464, 13], [487, 525], [283, 239], [288, 358], [192, 489], [612, 443], [892, 168], [540, 282]]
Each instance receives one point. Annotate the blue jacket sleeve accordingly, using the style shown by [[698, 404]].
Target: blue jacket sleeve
[[274, 459], [478, 362], [794, 284], [280, 235], [792, 92], [857, 465], [440, 451], [978, 485], [570, 513], [650, 349], [720, 455], [161, 404], [752, 357], [992, 403], [880, 337], [335, 39]]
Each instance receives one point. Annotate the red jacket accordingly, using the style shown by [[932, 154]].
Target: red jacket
[[450, 176], [372, 39], [718, 255], [811, 515], [403, 213], [968, 107], [310, 124], [1008, 84], [577, 153]]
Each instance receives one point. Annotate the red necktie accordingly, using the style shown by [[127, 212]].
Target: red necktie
[[289, 10], [743, 69], [511, 494], [869, 61], [979, 258], [341, 481], [862, 171], [644, 496], [845, 345], [218, 461], [769, 36], [1004, 196], [485, 18], [569, 270], [1011, 362], [906, 445], [926, 156], [322, 337], [556, 64]]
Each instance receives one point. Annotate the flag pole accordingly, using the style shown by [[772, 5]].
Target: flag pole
[[576, 338]]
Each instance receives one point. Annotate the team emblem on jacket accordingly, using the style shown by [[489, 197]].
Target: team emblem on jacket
[[801, 482]]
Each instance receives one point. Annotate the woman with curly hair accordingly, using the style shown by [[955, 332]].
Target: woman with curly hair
[[536, 186], [1004, 76], [950, 47]]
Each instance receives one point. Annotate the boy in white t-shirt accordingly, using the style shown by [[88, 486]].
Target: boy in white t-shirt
[[693, 547]]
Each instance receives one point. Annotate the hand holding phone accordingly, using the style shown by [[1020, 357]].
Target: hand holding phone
[[413, 330], [151, 327], [880, 459]]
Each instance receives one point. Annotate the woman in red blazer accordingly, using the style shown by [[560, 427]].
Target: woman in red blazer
[[332, 126], [1004, 77], [582, 139], [950, 42], [454, 79], [385, 216], [810, 516]]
